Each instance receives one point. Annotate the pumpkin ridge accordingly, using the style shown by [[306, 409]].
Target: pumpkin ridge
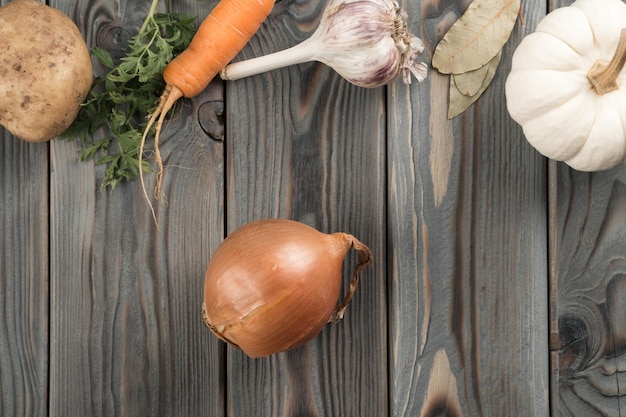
[[549, 94]]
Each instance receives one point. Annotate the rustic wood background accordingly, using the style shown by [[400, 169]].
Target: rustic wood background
[[498, 278]]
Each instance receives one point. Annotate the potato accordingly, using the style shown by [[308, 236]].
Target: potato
[[45, 70]]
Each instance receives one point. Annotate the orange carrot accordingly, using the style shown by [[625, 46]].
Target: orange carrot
[[222, 34]]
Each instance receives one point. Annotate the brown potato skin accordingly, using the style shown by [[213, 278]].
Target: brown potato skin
[[45, 70]]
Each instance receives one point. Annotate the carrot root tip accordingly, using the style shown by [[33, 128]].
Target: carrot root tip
[[170, 95]]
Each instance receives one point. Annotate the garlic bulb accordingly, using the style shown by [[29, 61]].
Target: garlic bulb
[[366, 41], [273, 284]]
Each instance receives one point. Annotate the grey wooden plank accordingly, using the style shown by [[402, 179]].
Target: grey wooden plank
[[126, 331], [468, 245], [24, 277], [304, 144], [588, 266]]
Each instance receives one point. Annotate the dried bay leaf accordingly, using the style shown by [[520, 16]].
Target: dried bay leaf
[[459, 102], [469, 83], [477, 36]]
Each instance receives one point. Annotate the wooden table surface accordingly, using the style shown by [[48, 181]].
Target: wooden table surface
[[498, 276]]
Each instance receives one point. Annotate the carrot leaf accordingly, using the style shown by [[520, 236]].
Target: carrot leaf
[[112, 119]]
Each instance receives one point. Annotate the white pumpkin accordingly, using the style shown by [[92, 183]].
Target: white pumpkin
[[549, 94]]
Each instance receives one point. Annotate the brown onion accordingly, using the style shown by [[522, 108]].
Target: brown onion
[[273, 284]]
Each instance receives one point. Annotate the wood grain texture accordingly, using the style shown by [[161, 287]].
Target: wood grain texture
[[24, 318], [126, 331], [468, 239], [588, 278], [470, 227], [23, 277], [303, 143]]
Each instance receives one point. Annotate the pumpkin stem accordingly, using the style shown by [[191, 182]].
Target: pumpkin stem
[[603, 75]]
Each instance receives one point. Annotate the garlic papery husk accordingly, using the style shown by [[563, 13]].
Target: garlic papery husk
[[366, 41]]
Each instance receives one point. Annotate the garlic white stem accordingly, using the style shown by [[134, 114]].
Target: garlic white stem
[[297, 54], [366, 41]]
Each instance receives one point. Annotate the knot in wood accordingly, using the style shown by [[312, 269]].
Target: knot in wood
[[114, 39]]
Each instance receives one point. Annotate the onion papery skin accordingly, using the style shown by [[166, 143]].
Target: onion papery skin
[[273, 284]]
